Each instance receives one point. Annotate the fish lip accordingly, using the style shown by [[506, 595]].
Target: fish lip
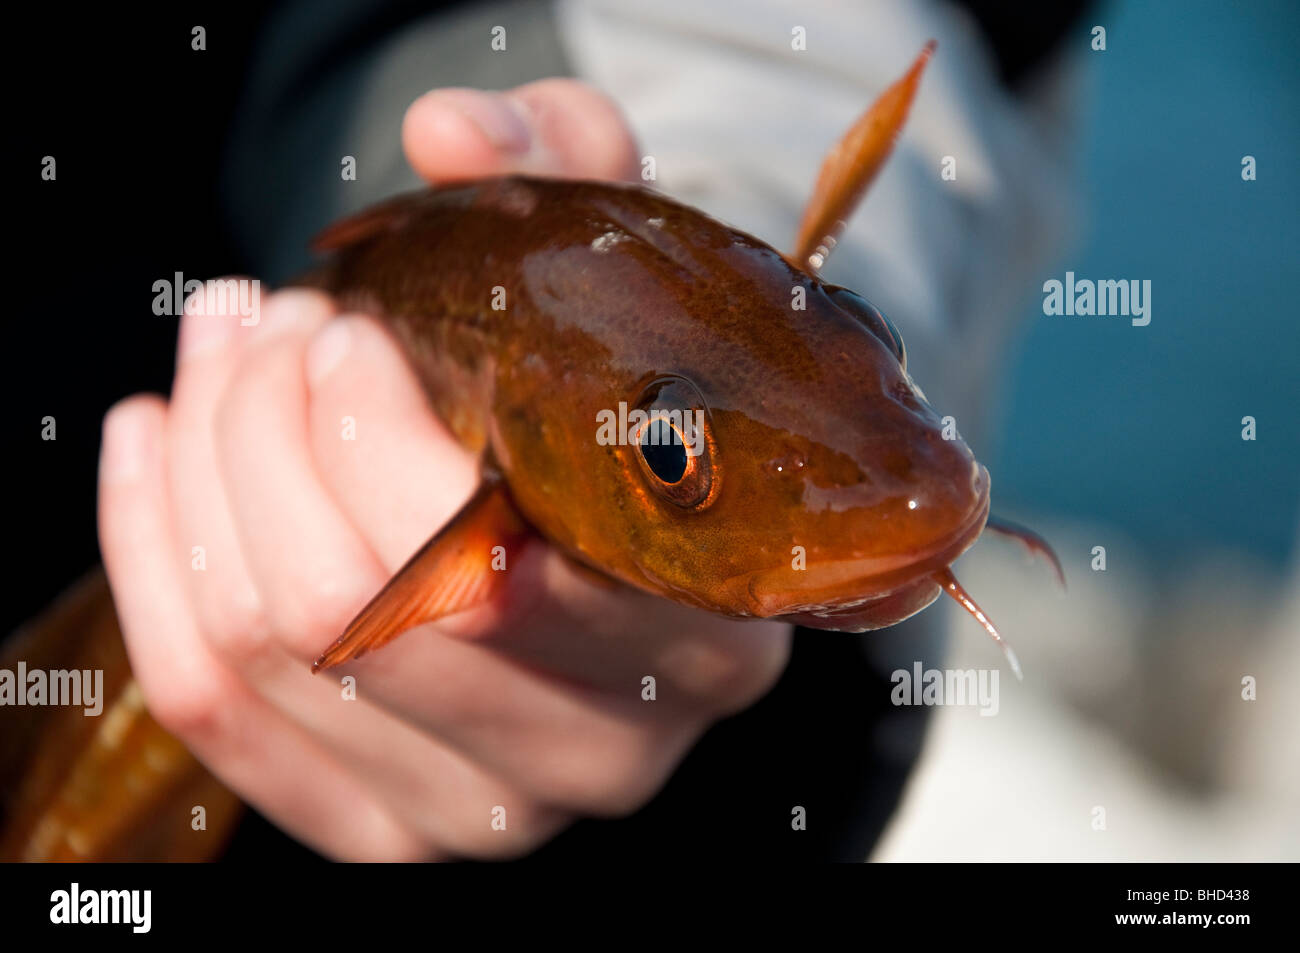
[[879, 585]]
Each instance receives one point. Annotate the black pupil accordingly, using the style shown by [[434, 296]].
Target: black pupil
[[663, 450]]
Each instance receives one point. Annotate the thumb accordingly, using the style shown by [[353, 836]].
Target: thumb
[[554, 127]]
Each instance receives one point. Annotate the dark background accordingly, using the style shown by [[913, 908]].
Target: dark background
[[135, 121]]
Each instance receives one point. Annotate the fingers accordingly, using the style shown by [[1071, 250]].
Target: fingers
[[557, 127], [187, 688], [226, 603], [377, 776], [310, 568], [441, 794], [409, 770]]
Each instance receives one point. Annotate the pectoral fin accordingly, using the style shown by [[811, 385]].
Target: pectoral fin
[[453, 571], [851, 165]]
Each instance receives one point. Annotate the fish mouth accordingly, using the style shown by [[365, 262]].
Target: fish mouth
[[868, 593]]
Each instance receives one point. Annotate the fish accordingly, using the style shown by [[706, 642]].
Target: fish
[[671, 403], [667, 400]]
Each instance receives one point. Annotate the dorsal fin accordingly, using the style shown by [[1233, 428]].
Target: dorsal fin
[[851, 165]]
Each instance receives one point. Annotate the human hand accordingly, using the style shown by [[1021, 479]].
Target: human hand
[[532, 703]]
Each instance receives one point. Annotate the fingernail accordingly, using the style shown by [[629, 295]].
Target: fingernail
[[327, 350], [501, 120], [122, 451]]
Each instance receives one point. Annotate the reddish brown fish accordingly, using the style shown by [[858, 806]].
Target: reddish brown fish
[[670, 402], [788, 467]]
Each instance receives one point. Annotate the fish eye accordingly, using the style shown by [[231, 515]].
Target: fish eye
[[874, 320], [664, 451], [674, 443]]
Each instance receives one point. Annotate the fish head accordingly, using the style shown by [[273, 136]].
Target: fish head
[[695, 415], [796, 471]]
